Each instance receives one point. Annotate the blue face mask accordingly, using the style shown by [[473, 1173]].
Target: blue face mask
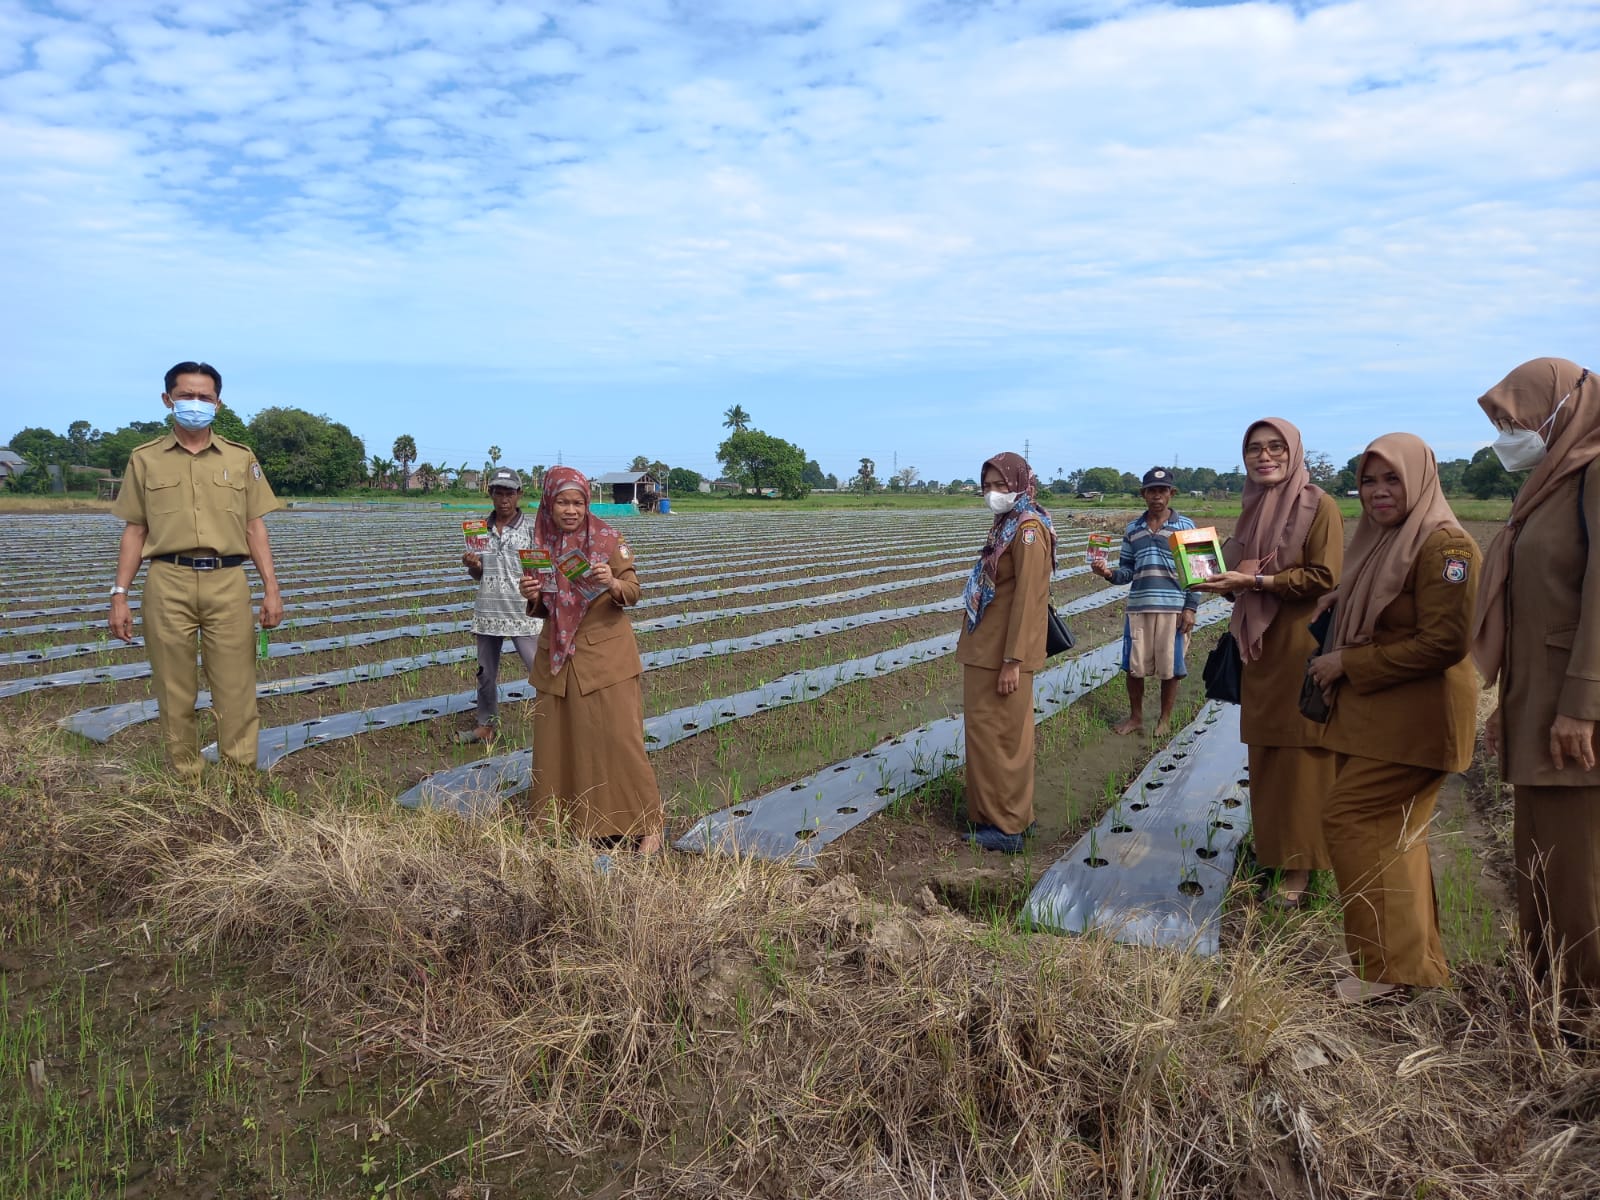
[[194, 414]]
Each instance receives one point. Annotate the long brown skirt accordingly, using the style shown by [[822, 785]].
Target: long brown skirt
[[1288, 787], [590, 769], [1377, 829], [1556, 834], [999, 733]]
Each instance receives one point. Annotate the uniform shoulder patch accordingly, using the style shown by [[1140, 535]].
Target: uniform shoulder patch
[[623, 551], [1030, 536], [1455, 568], [255, 470]]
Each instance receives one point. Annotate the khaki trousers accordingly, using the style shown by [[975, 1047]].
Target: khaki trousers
[[1376, 825], [1556, 834], [181, 605], [999, 733]]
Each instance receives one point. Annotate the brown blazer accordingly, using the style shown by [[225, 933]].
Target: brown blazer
[[1269, 708], [1552, 658], [1013, 626], [1412, 693], [605, 651]]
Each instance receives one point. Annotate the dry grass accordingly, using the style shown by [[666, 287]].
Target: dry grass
[[757, 1031]]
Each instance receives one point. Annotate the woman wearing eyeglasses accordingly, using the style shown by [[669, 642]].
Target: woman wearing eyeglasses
[[1538, 635], [1285, 553]]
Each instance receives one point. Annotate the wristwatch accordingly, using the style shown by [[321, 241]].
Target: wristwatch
[[118, 590]]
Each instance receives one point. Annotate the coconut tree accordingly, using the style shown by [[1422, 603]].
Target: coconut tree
[[736, 419], [429, 474], [405, 449]]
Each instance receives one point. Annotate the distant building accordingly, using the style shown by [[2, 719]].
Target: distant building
[[11, 464], [632, 487]]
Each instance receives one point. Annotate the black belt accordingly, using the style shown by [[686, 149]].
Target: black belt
[[210, 563]]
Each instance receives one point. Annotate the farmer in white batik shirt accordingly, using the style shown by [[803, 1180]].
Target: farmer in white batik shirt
[[500, 611]]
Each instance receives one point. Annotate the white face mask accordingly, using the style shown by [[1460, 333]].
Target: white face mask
[[1523, 449], [1001, 503]]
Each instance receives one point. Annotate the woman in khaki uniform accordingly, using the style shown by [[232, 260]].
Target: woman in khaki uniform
[[589, 761], [1286, 553], [1404, 697], [1006, 606], [1539, 635]]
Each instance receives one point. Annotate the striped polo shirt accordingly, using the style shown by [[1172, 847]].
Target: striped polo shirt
[[1147, 564]]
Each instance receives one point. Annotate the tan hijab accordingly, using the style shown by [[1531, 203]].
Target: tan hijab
[[1270, 535], [1527, 397], [1380, 559]]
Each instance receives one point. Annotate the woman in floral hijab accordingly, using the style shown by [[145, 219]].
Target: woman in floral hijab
[[1005, 608], [590, 769]]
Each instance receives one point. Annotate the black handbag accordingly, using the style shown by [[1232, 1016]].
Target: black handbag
[[1313, 705], [1058, 638], [1223, 671]]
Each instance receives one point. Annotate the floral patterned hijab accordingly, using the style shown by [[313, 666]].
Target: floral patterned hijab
[[596, 540]]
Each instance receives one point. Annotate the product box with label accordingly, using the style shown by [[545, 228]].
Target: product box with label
[[1198, 553]]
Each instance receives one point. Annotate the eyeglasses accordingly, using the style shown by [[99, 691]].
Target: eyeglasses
[[1274, 449]]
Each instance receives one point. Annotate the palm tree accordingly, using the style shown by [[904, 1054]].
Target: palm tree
[[736, 419], [374, 472], [430, 476], [405, 449], [494, 456]]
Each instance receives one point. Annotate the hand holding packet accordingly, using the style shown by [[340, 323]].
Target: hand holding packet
[[578, 570]]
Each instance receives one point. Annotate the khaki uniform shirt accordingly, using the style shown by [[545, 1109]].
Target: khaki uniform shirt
[[1552, 656], [1013, 626], [194, 503], [1412, 693], [605, 651]]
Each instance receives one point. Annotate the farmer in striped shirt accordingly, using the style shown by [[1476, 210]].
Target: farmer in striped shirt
[[1160, 613]]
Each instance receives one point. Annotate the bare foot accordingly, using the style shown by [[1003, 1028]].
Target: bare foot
[[1163, 727], [1124, 728]]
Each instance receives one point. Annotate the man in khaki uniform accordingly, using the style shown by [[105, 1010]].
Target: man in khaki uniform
[[193, 502]]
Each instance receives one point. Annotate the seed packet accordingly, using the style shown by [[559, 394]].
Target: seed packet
[[476, 530], [534, 560], [1100, 545], [1197, 553], [577, 568]]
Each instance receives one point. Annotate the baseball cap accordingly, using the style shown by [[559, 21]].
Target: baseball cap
[[504, 477], [1157, 477]]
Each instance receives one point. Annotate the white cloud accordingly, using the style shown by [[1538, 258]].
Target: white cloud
[[1033, 203]]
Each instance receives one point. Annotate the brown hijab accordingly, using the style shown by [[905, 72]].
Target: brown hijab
[[1527, 397], [1272, 530], [1379, 558]]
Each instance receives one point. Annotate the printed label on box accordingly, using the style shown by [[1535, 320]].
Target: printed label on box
[[1197, 554]]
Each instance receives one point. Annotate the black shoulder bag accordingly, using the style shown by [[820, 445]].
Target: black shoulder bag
[[1224, 670], [1058, 638]]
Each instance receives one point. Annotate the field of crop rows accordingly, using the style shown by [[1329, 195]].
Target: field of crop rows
[[799, 674]]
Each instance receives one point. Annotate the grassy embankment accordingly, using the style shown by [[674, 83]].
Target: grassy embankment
[[292, 995]]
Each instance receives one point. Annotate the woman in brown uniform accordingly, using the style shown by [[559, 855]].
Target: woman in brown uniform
[[1286, 552], [589, 762], [1404, 697], [1002, 641], [1539, 633]]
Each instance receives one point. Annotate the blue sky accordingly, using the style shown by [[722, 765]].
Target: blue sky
[[916, 232]]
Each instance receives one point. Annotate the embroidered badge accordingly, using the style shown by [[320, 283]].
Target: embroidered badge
[[1028, 537], [255, 469], [623, 552], [1455, 569]]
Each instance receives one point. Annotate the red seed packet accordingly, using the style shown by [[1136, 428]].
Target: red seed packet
[[533, 560], [477, 533], [1100, 545]]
